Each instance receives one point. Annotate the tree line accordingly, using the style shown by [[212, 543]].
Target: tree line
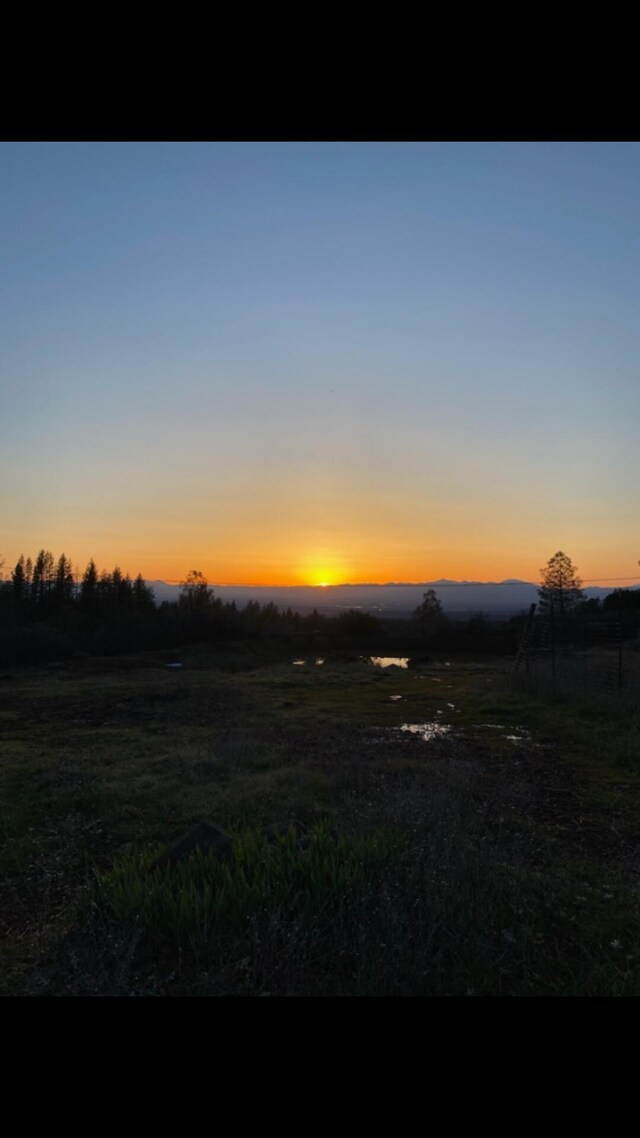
[[45, 584], [48, 612]]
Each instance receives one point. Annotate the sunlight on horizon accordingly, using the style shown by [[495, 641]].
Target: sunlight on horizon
[[322, 580]]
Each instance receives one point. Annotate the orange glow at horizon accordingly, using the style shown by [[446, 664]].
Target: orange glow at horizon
[[324, 570], [283, 551]]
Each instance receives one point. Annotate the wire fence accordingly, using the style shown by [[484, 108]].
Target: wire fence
[[590, 659]]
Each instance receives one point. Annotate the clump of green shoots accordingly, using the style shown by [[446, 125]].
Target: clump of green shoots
[[265, 892]]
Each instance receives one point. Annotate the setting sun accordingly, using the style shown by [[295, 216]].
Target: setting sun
[[325, 567], [322, 579]]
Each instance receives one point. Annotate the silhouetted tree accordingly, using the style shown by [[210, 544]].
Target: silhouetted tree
[[622, 600], [121, 588], [116, 583], [315, 621], [590, 607], [19, 579], [195, 594], [89, 588], [429, 614], [43, 577], [143, 595], [354, 622], [104, 589], [561, 588], [64, 586]]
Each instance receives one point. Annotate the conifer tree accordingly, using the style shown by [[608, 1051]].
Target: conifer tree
[[561, 588], [89, 587], [43, 576], [142, 594], [64, 584], [429, 614], [19, 578]]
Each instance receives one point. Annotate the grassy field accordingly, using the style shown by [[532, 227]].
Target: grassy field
[[498, 856]]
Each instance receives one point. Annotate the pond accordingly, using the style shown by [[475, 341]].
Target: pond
[[427, 731]]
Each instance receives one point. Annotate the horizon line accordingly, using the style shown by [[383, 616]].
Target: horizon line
[[441, 581]]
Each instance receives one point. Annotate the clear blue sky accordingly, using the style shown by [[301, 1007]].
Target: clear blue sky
[[317, 362]]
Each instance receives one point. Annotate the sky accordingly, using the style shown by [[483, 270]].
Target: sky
[[321, 362]]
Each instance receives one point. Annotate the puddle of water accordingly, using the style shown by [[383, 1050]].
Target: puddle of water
[[427, 731], [299, 663], [390, 661], [393, 697], [524, 738]]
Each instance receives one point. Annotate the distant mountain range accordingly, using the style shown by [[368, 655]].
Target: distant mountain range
[[458, 598]]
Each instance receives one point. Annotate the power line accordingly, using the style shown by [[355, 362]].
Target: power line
[[611, 578]]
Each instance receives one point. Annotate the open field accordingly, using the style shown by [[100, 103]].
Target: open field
[[500, 856]]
